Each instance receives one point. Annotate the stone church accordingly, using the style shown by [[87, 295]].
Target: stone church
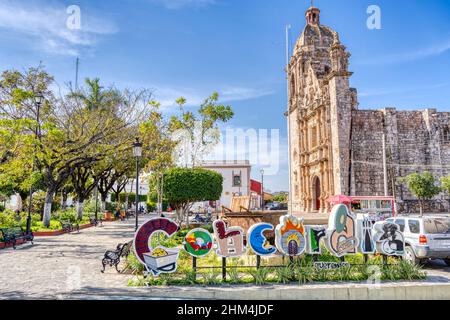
[[337, 148]]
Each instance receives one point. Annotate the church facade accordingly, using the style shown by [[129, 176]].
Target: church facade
[[337, 148]]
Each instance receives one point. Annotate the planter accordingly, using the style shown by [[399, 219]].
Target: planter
[[4, 246]]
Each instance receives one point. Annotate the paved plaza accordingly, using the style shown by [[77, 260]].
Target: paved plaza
[[55, 267]]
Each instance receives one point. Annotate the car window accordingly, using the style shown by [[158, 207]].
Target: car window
[[436, 225], [414, 226], [401, 223]]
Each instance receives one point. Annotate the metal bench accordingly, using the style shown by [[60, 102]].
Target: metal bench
[[12, 235], [112, 257], [95, 222], [69, 227]]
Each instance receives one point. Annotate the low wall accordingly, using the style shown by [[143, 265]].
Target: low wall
[[343, 291]]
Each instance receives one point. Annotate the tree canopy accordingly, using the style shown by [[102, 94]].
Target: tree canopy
[[77, 140], [185, 186], [423, 186]]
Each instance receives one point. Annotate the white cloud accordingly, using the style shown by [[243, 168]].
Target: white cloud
[[167, 96], [178, 4], [46, 26], [388, 92], [242, 93], [412, 55]]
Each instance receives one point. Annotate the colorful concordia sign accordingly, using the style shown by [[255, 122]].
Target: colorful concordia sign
[[343, 236]]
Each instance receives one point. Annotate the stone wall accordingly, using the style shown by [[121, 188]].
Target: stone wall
[[415, 142]]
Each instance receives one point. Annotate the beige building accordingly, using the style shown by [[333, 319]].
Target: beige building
[[236, 178], [337, 148]]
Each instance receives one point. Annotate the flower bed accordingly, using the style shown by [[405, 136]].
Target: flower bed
[[54, 233], [4, 245], [301, 270]]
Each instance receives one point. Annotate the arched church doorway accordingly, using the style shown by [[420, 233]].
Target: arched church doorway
[[317, 194]]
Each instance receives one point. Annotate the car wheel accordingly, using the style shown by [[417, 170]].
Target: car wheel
[[410, 256], [447, 262]]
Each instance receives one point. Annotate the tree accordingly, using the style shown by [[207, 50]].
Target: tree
[[445, 185], [158, 148], [423, 186], [106, 159], [183, 187], [281, 197], [74, 131], [197, 134], [94, 97]]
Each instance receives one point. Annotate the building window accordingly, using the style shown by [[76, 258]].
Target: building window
[[237, 181], [446, 135]]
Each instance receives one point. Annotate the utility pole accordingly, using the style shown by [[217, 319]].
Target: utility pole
[[385, 175], [76, 73], [288, 28]]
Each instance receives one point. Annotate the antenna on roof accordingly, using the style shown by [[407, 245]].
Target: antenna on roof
[[76, 73]]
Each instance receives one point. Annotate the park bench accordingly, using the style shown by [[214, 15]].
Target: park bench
[[69, 227], [95, 222], [12, 235], [112, 257]]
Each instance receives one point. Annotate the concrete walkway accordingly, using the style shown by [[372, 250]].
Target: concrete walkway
[[57, 266]]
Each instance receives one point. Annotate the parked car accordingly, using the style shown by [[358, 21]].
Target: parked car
[[426, 238], [276, 206]]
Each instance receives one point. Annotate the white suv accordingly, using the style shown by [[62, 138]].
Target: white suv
[[426, 238]]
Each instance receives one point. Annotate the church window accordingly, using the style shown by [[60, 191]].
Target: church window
[[447, 135]]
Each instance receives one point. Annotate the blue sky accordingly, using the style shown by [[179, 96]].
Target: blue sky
[[194, 47]]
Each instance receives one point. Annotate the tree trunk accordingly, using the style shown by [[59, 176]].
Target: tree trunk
[[63, 199], [103, 204], [47, 216], [179, 213], [80, 209], [19, 203], [186, 212], [421, 208]]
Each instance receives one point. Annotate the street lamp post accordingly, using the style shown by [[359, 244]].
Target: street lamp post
[[96, 203], [137, 152], [262, 189], [38, 100]]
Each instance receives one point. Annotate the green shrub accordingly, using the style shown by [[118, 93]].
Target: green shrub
[[234, 276], [211, 278], [260, 275], [131, 197], [190, 278], [304, 271], [285, 274], [133, 264]]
